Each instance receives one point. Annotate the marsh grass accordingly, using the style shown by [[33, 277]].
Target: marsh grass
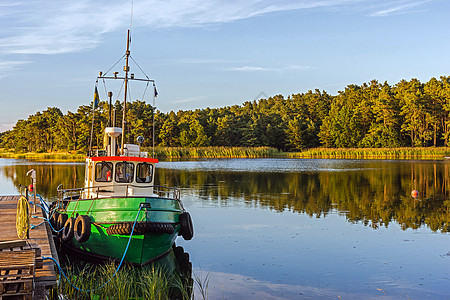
[[374, 153], [202, 284], [160, 152], [254, 152], [214, 152], [45, 156], [129, 283]]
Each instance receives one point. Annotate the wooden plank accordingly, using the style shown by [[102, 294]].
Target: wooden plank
[[12, 244], [10, 198], [40, 240], [12, 259]]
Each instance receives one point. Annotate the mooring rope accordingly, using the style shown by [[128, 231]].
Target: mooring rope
[[47, 211], [46, 208], [117, 270], [22, 218]]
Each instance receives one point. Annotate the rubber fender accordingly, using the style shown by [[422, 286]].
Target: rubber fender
[[82, 228], [62, 218], [68, 232], [187, 228], [142, 227], [54, 220]]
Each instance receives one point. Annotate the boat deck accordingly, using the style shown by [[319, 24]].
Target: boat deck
[[40, 237]]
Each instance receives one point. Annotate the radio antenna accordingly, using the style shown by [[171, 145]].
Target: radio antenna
[[131, 16]]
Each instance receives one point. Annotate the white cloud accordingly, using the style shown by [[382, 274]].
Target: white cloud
[[398, 8], [8, 66], [279, 69], [249, 68], [51, 27], [189, 99], [227, 285], [6, 126]]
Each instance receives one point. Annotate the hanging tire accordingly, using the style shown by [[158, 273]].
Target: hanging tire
[[54, 220], [82, 228], [62, 218], [67, 233], [187, 228]]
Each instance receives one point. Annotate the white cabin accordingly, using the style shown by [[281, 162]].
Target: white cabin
[[130, 174]]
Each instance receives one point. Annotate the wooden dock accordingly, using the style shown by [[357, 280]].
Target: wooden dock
[[40, 237]]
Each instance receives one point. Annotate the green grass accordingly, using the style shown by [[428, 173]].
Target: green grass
[[255, 152], [214, 152], [374, 153], [46, 156], [160, 152], [129, 283]]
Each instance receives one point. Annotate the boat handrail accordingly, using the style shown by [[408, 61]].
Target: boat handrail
[[159, 190]]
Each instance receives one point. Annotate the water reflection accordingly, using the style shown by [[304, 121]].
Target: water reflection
[[48, 175], [373, 192]]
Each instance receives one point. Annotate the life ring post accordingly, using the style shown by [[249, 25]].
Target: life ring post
[[32, 174]]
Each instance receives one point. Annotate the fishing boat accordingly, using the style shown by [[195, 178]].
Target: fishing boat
[[120, 213]]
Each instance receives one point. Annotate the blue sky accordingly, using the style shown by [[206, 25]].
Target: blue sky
[[213, 53]]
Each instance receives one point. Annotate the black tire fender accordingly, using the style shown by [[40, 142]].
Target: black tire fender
[[143, 227], [68, 232], [54, 220], [62, 218], [82, 228], [187, 228]]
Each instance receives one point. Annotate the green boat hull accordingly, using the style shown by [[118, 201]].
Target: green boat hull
[[105, 212]]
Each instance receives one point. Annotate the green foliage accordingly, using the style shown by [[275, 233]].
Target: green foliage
[[129, 283], [408, 114]]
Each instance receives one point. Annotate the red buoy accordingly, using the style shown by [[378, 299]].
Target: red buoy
[[414, 193], [30, 187]]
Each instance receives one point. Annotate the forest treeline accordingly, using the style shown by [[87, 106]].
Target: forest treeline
[[371, 115]]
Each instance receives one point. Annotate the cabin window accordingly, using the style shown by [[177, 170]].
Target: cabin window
[[144, 173], [124, 172], [103, 171]]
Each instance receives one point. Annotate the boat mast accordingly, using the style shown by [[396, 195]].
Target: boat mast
[[126, 69]]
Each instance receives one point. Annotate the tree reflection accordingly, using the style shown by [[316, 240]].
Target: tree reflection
[[374, 196], [48, 176]]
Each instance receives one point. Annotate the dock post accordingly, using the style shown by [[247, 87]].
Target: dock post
[[28, 213], [32, 174]]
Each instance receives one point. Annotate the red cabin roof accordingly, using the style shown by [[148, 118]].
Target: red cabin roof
[[124, 158]]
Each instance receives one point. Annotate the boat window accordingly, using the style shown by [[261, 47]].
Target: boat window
[[103, 171], [144, 173], [124, 172]]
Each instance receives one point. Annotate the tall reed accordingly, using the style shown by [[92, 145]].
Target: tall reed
[[374, 153], [214, 152], [45, 156]]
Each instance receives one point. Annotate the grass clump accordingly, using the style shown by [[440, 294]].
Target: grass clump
[[214, 152], [148, 282], [374, 153]]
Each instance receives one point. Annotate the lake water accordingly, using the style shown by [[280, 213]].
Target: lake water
[[301, 228]]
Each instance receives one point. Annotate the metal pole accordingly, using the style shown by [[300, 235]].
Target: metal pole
[[110, 94], [126, 69], [153, 113], [92, 129], [34, 195]]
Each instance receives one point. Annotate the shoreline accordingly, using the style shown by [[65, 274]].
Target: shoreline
[[163, 153]]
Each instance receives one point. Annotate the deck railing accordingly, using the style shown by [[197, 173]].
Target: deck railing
[[96, 191]]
